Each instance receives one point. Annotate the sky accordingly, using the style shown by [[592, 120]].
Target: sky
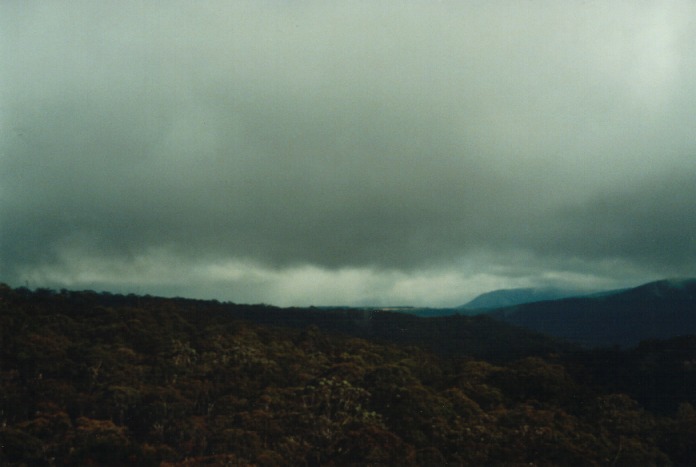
[[346, 153]]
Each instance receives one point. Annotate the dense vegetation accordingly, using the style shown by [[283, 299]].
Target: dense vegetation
[[101, 379]]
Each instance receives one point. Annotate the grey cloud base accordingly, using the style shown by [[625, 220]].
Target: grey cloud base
[[258, 149]]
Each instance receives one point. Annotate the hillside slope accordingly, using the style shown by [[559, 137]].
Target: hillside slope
[[657, 310], [509, 297], [100, 379]]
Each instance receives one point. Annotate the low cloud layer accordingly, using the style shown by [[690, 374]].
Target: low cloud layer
[[330, 152]]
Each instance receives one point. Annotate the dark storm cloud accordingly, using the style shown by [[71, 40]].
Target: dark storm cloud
[[266, 147], [652, 223]]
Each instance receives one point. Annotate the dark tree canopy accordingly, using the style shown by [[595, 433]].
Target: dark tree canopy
[[103, 379]]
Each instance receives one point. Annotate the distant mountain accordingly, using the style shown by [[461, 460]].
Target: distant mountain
[[509, 297], [657, 310]]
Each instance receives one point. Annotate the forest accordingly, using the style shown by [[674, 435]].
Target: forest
[[91, 378]]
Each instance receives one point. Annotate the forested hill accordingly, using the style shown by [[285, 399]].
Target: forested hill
[[478, 336], [657, 310], [101, 379]]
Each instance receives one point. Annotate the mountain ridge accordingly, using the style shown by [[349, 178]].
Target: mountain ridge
[[515, 296], [654, 310]]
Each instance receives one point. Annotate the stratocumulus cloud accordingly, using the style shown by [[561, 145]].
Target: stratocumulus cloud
[[346, 152]]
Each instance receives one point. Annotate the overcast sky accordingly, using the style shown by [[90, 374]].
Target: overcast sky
[[326, 152]]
